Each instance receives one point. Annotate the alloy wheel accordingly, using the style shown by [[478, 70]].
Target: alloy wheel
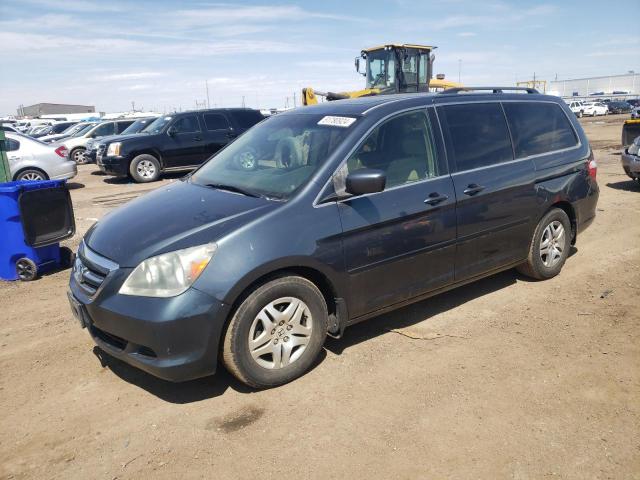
[[552, 244], [31, 176], [146, 169]]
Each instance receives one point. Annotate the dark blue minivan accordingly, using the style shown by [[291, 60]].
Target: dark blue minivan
[[322, 217]]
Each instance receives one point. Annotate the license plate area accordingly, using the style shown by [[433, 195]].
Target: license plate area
[[78, 310]]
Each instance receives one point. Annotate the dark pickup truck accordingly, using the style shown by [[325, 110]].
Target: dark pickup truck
[[179, 141]]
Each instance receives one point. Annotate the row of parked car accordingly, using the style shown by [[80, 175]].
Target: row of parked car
[[141, 149], [605, 107]]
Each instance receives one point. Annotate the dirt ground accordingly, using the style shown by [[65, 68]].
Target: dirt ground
[[504, 378]]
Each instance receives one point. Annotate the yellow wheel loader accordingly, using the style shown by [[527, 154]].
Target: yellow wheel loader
[[389, 69]]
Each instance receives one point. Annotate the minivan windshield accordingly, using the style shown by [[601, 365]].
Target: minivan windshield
[[157, 125], [276, 157]]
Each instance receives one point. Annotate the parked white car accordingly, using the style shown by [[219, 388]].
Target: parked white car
[[31, 159], [577, 108], [595, 108], [75, 130], [77, 145]]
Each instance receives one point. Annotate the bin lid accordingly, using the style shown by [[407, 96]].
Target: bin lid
[[23, 186]]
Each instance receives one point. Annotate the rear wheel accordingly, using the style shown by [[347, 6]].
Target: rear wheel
[[145, 168], [77, 155], [276, 333], [549, 246], [31, 174], [580, 114]]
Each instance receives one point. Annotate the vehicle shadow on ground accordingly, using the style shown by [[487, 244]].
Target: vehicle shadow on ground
[[184, 392], [127, 180], [74, 185], [423, 310], [627, 186]]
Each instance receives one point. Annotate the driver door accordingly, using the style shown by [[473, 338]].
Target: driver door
[[185, 146]]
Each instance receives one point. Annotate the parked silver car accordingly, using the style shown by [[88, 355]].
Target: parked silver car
[[31, 159], [77, 129], [631, 160]]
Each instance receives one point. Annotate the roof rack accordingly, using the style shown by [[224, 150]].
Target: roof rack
[[493, 89]]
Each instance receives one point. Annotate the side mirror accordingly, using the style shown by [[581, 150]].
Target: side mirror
[[366, 180], [171, 131]]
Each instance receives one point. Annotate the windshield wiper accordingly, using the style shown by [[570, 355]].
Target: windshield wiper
[[233, 188]]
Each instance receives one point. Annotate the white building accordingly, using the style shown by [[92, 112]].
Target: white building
[[620, 85]]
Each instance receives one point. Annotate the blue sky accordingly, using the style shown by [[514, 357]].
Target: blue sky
[[159, 53]]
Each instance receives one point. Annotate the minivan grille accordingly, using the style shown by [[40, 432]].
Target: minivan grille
[[90, 270]]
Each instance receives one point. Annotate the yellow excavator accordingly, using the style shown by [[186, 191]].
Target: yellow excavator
[[389, 69]]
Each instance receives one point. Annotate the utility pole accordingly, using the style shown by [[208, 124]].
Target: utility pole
[[133, 106], [242, 101], [206, 84], [459, 69]]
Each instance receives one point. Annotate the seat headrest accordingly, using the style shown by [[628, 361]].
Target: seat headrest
[[413, 144]]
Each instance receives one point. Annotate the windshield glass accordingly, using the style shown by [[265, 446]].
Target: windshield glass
[[157, 125], [138, 125], [276, 157], [381, 67], [72, 129]]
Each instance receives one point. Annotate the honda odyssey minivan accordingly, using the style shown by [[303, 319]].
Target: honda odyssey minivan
[[321, 217]]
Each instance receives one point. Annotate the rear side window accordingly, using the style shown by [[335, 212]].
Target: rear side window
[[215, 121], [188, 124], [248, 118], [477, 134], [12, 145], [122, 126], [539, 128]]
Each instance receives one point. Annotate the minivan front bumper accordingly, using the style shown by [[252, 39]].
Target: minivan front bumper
[[175, 338]]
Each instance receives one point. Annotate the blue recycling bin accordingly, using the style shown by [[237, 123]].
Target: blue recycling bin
[[35, 217]]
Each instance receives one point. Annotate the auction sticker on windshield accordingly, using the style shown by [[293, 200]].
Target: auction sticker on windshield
[[336, 121]]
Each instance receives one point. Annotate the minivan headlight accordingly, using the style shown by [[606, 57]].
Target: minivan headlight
[[169, 274], [114, 149]]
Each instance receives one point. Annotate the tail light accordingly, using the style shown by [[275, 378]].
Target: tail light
[[62, 151], [592, 165]]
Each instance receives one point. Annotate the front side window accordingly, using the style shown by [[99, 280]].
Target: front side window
[[104, 129], [381, 67], [477, 134], [402, 147], [188, 124], [276, 157], [215, 121], [539, 128]]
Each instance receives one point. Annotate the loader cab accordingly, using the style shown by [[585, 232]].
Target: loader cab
[[397, 68]]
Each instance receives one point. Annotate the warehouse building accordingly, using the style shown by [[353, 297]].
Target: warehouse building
[[40, 109], [612, 85]]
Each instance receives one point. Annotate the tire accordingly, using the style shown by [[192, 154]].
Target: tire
[[580, 114], [31, 174], [145, 168], [26, 269], [77, 155], [538, 265], [67, 257], [298, 314]]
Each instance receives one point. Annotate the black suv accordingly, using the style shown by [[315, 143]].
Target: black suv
[[180, 141], [619, 107], [324, 216]]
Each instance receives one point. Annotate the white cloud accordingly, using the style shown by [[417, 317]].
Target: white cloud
[[467, 34], [76, 5]]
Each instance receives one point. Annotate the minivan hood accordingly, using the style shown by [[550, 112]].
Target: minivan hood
[[179, 215]]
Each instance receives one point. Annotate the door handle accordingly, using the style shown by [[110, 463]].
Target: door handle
[[197, 138], [232, 135], [435, 198], [472, 189]]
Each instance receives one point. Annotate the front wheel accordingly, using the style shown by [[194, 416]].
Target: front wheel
[[145, 168], [276, 333], [549, 246], [580, 114]]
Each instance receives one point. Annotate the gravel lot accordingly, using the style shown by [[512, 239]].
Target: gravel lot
[[504, 378]]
